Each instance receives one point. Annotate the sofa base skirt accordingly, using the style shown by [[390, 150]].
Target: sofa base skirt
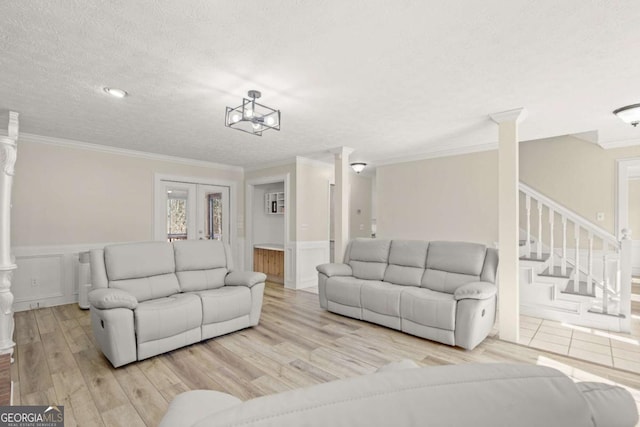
[[163, 345], [345, 310], [221, 328], [428, 332]]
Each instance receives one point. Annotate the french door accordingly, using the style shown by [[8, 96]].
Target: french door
[[191, 211]]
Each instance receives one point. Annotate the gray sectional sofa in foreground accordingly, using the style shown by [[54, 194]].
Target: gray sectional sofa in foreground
[[152, 297], [442, 291], [402, 395]]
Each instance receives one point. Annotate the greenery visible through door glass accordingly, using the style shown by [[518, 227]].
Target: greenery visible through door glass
[[176, 219]]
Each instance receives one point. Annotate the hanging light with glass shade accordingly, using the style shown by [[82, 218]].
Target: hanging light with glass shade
[[252, 117]]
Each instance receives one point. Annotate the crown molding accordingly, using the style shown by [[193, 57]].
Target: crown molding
[[619, 144], [342, 151], [516, 115], [69, 143], [458, 151], [313, 162]]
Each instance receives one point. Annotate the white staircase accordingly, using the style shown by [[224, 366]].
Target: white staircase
[[571, 270]]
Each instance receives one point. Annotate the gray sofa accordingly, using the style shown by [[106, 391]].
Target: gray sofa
[[442, 291], [152, 297], [455, 395]]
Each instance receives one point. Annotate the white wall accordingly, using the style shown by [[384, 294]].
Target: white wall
[[267, 228], [72, 197], [360, 206], [448, 198]]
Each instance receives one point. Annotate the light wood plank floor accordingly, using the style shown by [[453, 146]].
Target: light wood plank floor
[[296, 344]]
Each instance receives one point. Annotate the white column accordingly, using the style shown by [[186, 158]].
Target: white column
[[8, 153], [508, 222], [341, 202]]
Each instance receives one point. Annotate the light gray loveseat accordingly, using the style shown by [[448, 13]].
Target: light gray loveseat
[[442, 291], [479, 395], [152, 297]]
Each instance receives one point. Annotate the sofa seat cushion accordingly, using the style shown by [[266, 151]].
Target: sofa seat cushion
[[344, 290], [382, 298], [165, 317], [428, 308], [226, 303]]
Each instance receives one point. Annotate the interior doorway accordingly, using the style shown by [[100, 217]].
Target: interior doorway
[[267, 211], [628, 217]]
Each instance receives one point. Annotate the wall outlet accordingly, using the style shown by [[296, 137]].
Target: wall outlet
[[600, 216], [34, 283]]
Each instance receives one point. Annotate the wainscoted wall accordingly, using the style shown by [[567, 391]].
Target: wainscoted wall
[[301, 259]]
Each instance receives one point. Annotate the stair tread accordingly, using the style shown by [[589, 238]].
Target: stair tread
[[557, 272], [581, 291], [523, 242], [534, 257]]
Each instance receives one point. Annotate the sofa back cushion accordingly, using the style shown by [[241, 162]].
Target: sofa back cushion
[[200, 264], [145, 270], [368, 258], [453, 264], [407, 259]]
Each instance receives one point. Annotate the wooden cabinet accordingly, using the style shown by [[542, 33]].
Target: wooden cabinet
[[269, 262]]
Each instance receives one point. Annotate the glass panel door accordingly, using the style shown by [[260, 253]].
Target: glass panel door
[[176, 211], [213, 212]]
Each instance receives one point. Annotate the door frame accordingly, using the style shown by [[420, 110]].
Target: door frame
[[248, 208], [627, 169], [233, 208]]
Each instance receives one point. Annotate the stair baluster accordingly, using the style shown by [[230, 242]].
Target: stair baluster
[[590, 266], [605, 283], [528, 243], [539, 242], [576, 267], [552, 214], [563, 261]]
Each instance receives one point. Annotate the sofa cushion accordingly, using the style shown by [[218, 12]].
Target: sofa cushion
[[199, 255], [408, 253], [200, 280], [453, 264], [147, 288], [370, 250], [428, 308], [165, 317], [227, 303], [344, 290], [380, 297], [368, 258], [136, 260], [456, 257]]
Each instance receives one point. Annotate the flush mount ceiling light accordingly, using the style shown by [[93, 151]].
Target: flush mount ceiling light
[[629, 114], [117, 93], [252, 117], [358, 166]]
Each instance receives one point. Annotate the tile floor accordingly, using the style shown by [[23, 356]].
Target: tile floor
[[607, 348]]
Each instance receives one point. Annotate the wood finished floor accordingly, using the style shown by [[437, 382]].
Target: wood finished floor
[[296, 344]]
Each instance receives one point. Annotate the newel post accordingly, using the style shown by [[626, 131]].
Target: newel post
[[8, 154], [625, 280]]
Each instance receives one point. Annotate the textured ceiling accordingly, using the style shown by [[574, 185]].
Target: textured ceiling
[[389, 78]]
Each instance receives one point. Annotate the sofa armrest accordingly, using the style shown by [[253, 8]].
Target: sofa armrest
[[106, 298], [244, 278], [475, 290], [335, 269]]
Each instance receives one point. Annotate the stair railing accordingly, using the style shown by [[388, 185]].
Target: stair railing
[[615, 282]]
